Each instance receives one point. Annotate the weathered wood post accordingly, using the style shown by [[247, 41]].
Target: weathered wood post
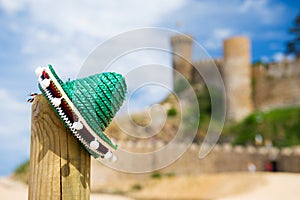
[[59, 165]]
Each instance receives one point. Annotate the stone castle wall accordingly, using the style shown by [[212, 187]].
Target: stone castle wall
[[223, 158], [276, 85], [205, 66]]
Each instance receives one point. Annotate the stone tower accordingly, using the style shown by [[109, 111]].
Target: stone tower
[[237, 77], [182, 46]]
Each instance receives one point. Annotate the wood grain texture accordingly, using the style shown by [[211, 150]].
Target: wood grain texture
[[59, 165]]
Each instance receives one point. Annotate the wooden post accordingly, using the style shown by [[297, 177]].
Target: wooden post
[[59, 164]]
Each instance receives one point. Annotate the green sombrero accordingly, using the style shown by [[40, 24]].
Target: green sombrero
[[86, 106]]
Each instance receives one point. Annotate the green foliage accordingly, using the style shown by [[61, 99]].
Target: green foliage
[[205, 102], [281, 126], [259, 63], [180, 85], [22, 172], [170, 174], [172, 112], [293, 46], [156, 175], [204, 107], [136, 187], [205, 97]]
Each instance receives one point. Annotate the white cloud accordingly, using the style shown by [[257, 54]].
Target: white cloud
[[11, 6], [265, 59], [63, 33], [263, 10], [278, 57], [100, 18], [217, 37], [222, 33], [256, 19]]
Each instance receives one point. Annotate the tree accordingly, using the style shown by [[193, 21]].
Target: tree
[[293, 46]]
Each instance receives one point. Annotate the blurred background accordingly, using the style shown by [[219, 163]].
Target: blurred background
[[37, 33]]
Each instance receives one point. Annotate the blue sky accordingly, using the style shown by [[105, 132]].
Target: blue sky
[[34, 33]]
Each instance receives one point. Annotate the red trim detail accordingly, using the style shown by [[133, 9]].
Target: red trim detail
[[44, 73]]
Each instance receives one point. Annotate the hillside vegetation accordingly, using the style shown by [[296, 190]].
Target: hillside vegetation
[[21, 173], [280, 126]]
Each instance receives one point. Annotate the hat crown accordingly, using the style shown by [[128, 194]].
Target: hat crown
[[97, 97]]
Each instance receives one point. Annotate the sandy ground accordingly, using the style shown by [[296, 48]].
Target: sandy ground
[[224, 186], [275, 187], [12, 190]]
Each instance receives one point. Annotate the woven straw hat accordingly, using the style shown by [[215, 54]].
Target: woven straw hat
[[86, 106]]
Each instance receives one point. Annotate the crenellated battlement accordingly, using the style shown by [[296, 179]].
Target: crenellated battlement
[[177, 39], [222, 158], [217, 62], [148, 146], [279, 70], [209, 62]]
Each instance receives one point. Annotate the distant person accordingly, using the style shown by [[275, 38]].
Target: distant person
[[269, 167], [251, 167]]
